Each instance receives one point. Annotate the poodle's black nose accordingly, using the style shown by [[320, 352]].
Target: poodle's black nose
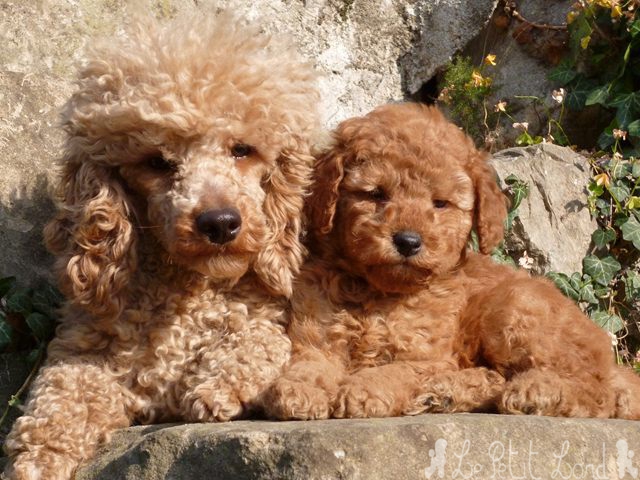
[[221, 226], [408, 243]]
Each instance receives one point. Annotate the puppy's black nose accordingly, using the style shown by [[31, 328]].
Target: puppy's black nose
[[408, 243], [221, 226]]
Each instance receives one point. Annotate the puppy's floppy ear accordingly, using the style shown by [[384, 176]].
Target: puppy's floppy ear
[[321, 205], [92, 237], [490, 204], [281, 258]]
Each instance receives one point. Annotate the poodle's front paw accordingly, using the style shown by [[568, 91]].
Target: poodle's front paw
[[358, 398], [214, 402], [294, 400], [43, 464]]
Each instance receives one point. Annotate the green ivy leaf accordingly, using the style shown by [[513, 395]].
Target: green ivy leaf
[[519, 190], [603, 236], [634, 28], [619, 191], [6, 332], [500, 256], [627, 108], [6, 284], [46, 299], [633, 203], [563, 73], [577, 94], [619, 169], [631, 231], [587, 294], [602, 270], [635, 169], [605, 139], [603, 206], [19, 301], [610, 323], [598, 96], [563, 282], [40, 325], [631, 286], [634, 128]]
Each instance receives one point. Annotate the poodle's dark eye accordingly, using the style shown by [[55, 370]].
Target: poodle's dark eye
[[158, 162], [378, 195], [241, 150], [440, 203]]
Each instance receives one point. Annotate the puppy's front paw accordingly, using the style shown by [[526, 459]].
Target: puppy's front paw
[[358, 398], [532, 395], [294, 400], [475, 389], [433, 399], [213, 402]]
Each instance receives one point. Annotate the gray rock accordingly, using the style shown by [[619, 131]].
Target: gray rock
[[525, 54], [357, 44], [554, 226], [466, 446], [443, 28]]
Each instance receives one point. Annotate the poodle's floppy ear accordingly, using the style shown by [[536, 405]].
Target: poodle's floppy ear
[[490, 205], [321, 205], [281, 258], [92, 238]]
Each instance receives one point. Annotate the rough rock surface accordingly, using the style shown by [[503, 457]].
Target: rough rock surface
[[553, 226], [357, 44], [427, 446], [525, 54]]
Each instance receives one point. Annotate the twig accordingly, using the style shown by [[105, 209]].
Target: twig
[[510, 9], [24, 386]]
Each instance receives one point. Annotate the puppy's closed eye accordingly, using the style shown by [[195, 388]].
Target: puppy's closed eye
[[440, 204], [378, 195]]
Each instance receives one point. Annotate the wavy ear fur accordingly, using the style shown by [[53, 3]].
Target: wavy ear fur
[[321, 206], [491, 204], [92, 238], [280, 260]]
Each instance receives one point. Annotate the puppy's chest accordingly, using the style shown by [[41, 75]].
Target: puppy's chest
[[387, 330]]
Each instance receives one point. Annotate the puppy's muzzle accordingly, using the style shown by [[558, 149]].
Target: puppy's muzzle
[[407, 243], [220, 226]]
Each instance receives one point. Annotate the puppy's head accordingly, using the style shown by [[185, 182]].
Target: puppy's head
[[197, 133], [398, 194]]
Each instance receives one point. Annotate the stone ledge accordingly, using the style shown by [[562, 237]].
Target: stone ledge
[[477, 447]]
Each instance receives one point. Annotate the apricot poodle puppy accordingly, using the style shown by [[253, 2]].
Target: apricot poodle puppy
[[394, 314], [177, 237]]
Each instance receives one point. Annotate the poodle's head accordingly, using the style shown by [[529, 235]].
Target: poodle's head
[[396, 197], [197, 133]]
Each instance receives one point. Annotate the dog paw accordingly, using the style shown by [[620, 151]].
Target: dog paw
[[214, 403], [530, 397], [40, 465], [294, 400], [434, 397], [358, 399]]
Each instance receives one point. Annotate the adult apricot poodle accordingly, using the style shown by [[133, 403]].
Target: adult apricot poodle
[[395, 315], [177, 236]]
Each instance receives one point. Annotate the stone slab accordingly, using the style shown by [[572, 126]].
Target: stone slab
[[470, 446]]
